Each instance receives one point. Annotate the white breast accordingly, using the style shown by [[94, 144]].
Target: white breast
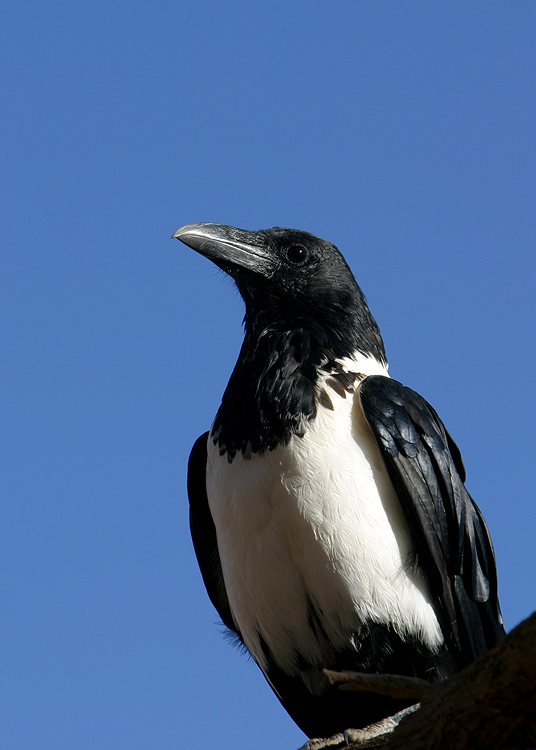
[[316, 523]]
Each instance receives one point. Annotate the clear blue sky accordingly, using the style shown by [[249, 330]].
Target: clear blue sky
[[404, 133]]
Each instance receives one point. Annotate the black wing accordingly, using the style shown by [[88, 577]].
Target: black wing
[[204, 533], [451, 539]]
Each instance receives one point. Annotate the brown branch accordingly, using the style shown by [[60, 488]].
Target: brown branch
[[490, 705]]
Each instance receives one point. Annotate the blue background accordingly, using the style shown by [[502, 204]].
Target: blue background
[[402, 132]]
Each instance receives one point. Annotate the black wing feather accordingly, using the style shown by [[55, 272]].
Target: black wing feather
[[204, 533], [451, 539]]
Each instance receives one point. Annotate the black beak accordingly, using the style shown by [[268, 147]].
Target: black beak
[[228, 247]]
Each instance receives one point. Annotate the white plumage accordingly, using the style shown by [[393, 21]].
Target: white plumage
[[317, 522]]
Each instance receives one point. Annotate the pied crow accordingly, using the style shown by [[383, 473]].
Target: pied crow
[[328, 509]]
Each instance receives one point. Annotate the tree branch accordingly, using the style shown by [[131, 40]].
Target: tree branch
[[491, 704]]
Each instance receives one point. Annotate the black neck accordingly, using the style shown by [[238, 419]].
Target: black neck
[[273, 392]]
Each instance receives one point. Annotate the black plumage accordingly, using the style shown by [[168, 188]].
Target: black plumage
[[312, 351], [452, 542]]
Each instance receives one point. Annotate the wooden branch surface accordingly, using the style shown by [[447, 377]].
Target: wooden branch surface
[[490, 705]]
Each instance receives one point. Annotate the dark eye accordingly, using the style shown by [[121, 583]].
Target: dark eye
[[296, 254]]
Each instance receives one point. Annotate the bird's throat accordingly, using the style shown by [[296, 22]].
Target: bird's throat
[[276, 388]]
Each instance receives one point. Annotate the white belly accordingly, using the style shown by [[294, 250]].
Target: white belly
[[316, 523]]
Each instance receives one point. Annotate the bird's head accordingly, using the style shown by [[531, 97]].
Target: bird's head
[[290, 279]]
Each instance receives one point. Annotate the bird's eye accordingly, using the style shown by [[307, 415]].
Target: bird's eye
[[296, 254]]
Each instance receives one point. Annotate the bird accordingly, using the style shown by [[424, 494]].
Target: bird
[[328, 507]]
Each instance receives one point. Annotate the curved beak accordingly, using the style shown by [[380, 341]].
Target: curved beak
[[229, 247]]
